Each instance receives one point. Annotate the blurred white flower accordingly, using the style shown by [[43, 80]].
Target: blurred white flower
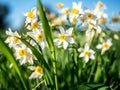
[[24, 54], [13, 38], [76, 8], [34, 25], [38, 35], [105, 45], [87, 53], [31, 15], [38, 72], [64, 37]]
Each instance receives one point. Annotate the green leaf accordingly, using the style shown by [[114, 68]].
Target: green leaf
[[46, 27], [8, 54]]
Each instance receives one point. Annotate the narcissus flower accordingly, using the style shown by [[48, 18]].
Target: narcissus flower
[[38, 72], [24, 54], [76, 8], [31, 15], [13, 38], [105, 45], [64, 37], [87, 53], [38, 35]]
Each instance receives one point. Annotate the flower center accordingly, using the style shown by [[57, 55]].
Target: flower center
[[21, 52], [35, 25], [105, 45], [30, 14], [38, 69], [59, 5], [39, 37], [102, 20], [86, 53], [75, 11], [74, 19], [16, 39], [62, 37], [89, 15], [100, 4], [115, 19], [66, 11]]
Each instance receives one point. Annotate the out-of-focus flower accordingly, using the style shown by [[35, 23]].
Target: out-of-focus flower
[[38, 35], [76, 8], [64, 37], [87, 53], [104, 46], [38, 72], [24, 54], [59, 5], [13, 38], [31, 15], [115, 19], [34, 25]]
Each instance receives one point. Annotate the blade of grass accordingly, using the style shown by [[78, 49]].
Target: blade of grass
[[7, 52], [49, 39]]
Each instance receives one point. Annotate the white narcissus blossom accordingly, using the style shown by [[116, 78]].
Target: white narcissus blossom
[[87, 53], [38, 72], [31, 15], [76, 8], [24, 54], [105, 45], [64, 37], [38, 35], [13, 38], [34, 25]]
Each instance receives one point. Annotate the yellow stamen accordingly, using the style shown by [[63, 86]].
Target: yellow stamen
[[39, 37], [74, 19], [74, 11], [30, 14], [16, 39], [38, 69], [62, 37], [22, 52], [59, 5], [102, 20], [86, 53], [115, 19], [105, 45], [35, 25], [89, 15], [66, 11], [100, 4]]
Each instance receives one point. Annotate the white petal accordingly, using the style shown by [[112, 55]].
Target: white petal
[[62, 30], [80, 49], [69, 31], [33, 75], [92, 57], [99, 46], [57, 42], [86, 59], [70, 40], [31, 67], [86, 47], [81, 55], [65, 44]]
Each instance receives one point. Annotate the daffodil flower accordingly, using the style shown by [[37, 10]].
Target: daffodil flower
[[31, 15], [87, 53], [13, 38], [24, 54], [104, 46], [38, 72], [38, 35], [64, 37]]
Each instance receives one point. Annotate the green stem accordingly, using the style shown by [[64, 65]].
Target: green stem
[[92, 71], [54, 69]]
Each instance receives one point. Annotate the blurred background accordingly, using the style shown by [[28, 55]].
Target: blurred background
[[12, 11]]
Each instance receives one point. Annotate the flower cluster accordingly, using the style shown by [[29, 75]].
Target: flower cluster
[[64, 37]]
